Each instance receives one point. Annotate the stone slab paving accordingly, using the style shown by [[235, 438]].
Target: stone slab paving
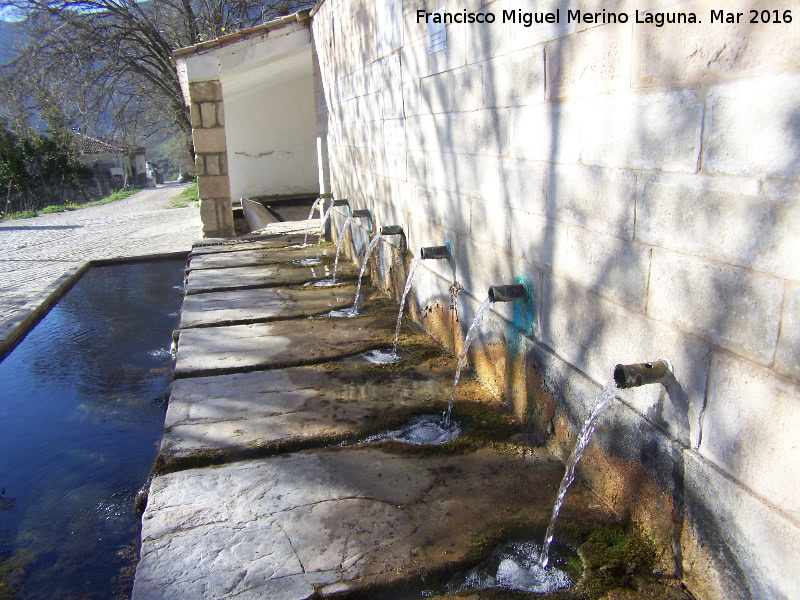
[[249, 305], [286, 526], [249, 243], [235, 415], [280, 275], [37, 251], [247, 257], [326, 520], [279, 344]]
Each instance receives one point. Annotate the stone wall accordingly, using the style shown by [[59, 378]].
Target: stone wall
[[211, 158], [646, 180]]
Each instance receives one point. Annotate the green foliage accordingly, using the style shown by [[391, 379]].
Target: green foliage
[[33, 159], [114, 196], [183, 199]]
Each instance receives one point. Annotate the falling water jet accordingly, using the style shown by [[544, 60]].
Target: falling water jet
[[657, 371], [462, 359], [353, 310], [497, 293], [426, 253], [308, 220], [384, 231], [325, 218], [342, 235], [364, 261], [327, 215]]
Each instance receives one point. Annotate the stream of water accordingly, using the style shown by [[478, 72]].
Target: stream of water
[[342, 235], [325, 218], [406, 289], [308, 221], [368, 251], [600, 403], [462, 359]]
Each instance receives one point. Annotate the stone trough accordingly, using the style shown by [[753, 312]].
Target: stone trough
[[255, 496]]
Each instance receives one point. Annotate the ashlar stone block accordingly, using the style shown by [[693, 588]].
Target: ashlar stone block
[[209, 140], [208, 110], [734, 308], [787, 359], [749, 429], [731, 220], [751, 128], [643, 131], [590, 62], [515, 79], [710, 52], [547, 132]]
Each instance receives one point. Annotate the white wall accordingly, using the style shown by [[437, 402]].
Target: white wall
[[646, 181], [270, 127]]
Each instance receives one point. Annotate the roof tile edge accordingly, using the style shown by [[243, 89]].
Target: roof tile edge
[[298, 17]]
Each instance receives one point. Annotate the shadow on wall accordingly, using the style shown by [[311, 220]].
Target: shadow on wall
[[616, 182]]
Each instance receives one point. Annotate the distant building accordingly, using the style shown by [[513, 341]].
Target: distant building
[[114, 164]]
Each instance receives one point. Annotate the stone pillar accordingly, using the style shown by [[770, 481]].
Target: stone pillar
[[211, 158]]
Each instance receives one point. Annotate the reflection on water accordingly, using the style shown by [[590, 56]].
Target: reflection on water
[[81, 417]]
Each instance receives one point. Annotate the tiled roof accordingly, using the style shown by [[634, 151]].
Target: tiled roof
[[98, 145]]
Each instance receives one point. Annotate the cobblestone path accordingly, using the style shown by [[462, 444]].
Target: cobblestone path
[[35, 252]]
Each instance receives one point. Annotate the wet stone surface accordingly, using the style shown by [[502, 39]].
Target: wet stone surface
[[277, 275], [274, 241], [227, 414], [279, 527], [242, 306], [279, 344], [290, 524], [247, 257]]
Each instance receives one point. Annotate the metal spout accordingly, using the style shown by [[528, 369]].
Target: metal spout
[[392, 230], [362, 213], [627, 376], [507, 293], [435, 252], [343, 202]]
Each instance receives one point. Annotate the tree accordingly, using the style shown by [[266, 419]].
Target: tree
[[111, 59], [36, 159]]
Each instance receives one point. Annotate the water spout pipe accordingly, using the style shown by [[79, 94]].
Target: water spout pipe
[[435, 252], [362, 214], [628, 376], [508, 293], [392, 230], [342, 202]]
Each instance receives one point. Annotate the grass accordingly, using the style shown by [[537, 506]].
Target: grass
[[113, 197], [183, 199]]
